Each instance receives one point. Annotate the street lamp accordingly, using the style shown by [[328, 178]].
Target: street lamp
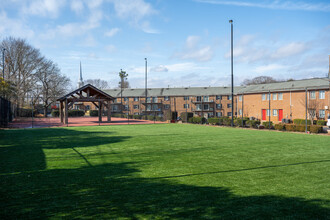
[[146, 86], [232, 76], [3, 63]]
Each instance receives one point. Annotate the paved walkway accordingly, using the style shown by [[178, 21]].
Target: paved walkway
[[73, 122]]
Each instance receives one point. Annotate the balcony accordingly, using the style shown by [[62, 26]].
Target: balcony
[[206, 102]]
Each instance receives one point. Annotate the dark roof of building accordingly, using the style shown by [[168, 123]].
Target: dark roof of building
[[296, 85]]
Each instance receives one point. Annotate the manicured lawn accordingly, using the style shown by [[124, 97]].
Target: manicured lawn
[[163, 171]]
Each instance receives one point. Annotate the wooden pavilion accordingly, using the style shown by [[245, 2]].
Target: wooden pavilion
[[87, 93]]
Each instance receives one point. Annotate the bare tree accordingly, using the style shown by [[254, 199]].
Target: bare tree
[[259, 80], [53, 84], [22, 61], [123, 83], [98, 83]]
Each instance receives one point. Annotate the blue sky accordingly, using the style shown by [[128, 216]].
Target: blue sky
[[186, 42]]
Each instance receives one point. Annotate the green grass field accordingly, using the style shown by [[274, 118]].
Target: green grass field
[[163, 171]]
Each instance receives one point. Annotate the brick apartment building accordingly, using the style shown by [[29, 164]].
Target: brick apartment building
[[274, 100]]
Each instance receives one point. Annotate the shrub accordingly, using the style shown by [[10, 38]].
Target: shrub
[[321, 122], [238, 122], [213, 121], [137, 116], [185, 115], [253, 123], [55, 113], [93, 113], [225, 120], [76, 113], [150, 117], [301, 121], [290, 127], [301, 128], [195, 120], [280, 127], [268, 124], [316, 129]]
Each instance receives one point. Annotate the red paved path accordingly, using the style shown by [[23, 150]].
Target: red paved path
[[73, 122]]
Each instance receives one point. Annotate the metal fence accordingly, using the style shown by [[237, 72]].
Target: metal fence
[[6, 112]]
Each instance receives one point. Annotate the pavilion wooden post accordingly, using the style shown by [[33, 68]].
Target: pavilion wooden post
[[61, 111], [66, 112], [100, 111], [109, 111]]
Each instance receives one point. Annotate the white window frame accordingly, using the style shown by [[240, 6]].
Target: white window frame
[[323, 113], [185, 106], [267, 112], [136, 106], [186, 98], [275, 112], [240, 97], [274, 96], [321, 94], [263, 97], [280, 96], [312, 95], [205, 98], [136, 99], [166, 98]]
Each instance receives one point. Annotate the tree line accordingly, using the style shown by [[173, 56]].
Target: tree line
[[27, 73]]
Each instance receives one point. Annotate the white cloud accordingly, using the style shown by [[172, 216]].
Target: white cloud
[[159, 68], [77, 6], [193, 51], [136, 11], [112, 32], [110, 48], [290, 49], [14, 27], [276, 5], [46, 8], [268, 68]]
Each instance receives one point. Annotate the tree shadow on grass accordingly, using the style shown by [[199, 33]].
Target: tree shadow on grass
[[115, 191], [22, 150]]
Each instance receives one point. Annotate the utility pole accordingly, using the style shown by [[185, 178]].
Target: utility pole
[[232, 75], [146, 63]]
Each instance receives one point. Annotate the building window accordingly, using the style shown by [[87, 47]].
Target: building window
[[166, 98], [185, 105], [268, 112], [280, 96], [186, 98], [115, 101], [322, 94], [228, 114], [229, 97], [154, 99], [240, 97], [206, 106], [166, 106], [219, 114], [228, 105], [136, 113], [322, 113], [126, 99], [312, 95], [148, 99], [239, 111], [199, 107], [274, 112], [154, 107], [125, 107], [148, 107], [136, 99], [218, 106], [210, 114], [268, 96], [115, 107], [205, 99], [136, 106], [88, 107], [263, 97], [199, 98], [218, 97], [274, 96]]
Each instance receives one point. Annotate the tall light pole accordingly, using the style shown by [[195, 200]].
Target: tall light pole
[[146, 62], [232, 75], [3, 63]]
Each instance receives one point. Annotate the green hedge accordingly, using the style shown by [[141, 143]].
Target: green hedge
[[280, 127], [253, 123], [321, 122], [187, 115], [290, 127], [55, 113], [93, 113], [197, 120], [213, 121], [137, 116], [225, 120], [76, 113], [301, 121], [268, 124], [316, 129]]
